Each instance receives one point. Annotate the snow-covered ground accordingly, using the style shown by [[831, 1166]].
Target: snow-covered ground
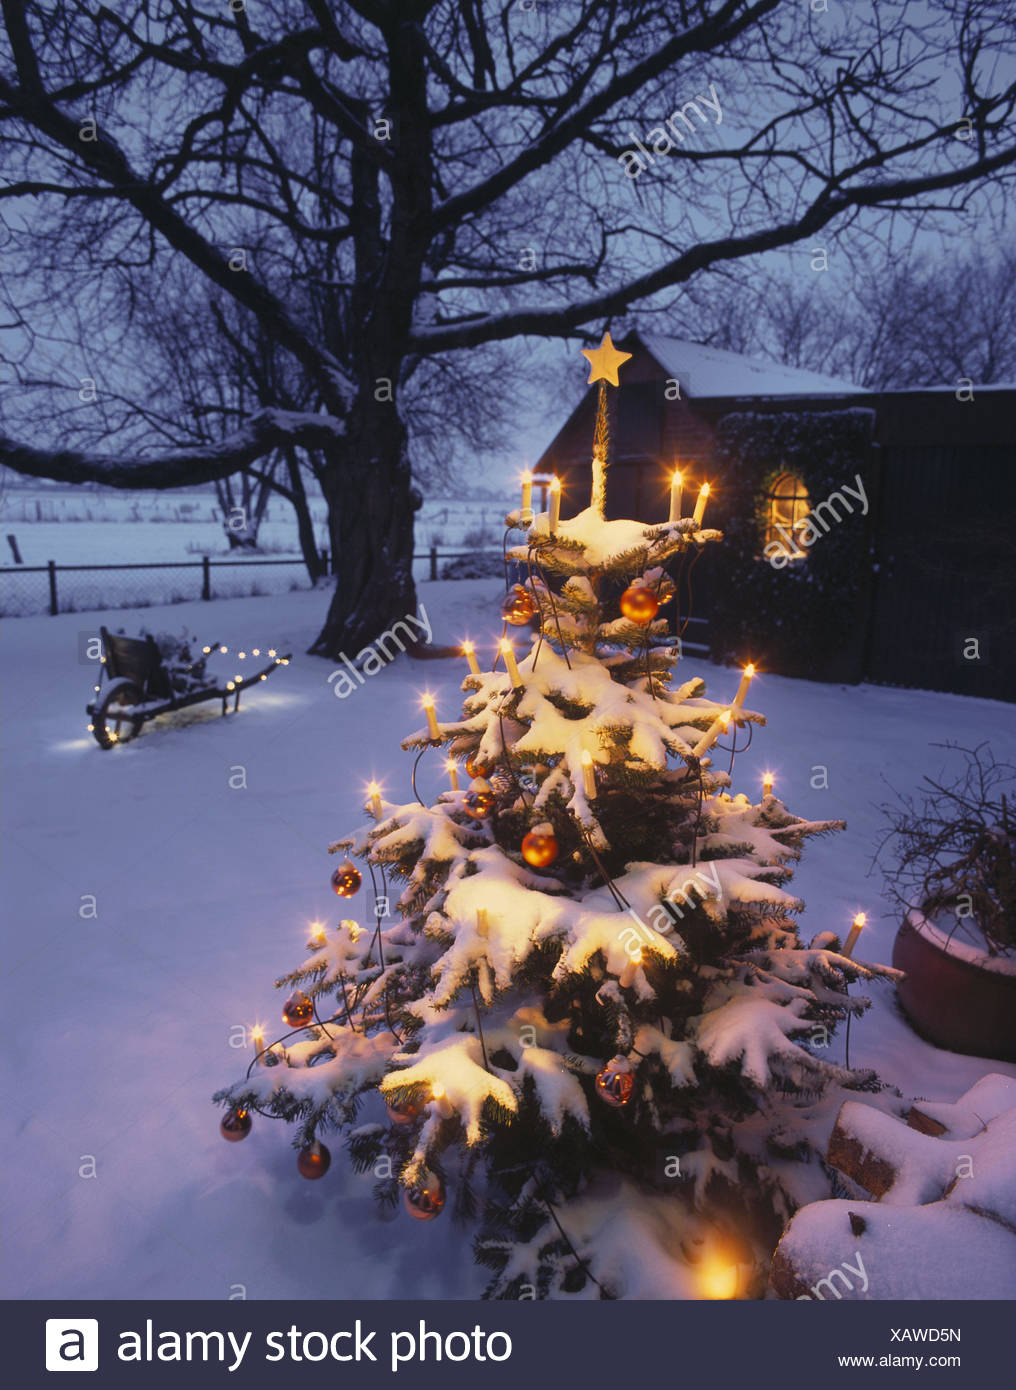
[[72, 527], [118, 1026]]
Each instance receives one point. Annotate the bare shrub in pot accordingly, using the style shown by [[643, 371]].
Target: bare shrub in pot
[[950, 848]]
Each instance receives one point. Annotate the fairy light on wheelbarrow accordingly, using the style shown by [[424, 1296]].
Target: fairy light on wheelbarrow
[[127, 706]]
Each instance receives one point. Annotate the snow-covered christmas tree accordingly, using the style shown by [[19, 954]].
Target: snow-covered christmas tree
[[595, 996]]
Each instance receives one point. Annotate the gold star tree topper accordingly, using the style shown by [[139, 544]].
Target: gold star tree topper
[[604, 361]]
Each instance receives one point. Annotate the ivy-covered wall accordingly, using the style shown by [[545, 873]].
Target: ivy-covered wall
[[809, 618]]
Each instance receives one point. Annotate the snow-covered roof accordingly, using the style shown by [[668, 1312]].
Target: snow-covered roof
[[950, 387], [707, 371]]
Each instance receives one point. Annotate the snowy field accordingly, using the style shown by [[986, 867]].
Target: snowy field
[[72, 527], [117, 1184]]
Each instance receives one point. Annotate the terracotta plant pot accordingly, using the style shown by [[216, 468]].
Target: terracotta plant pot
[[955, 995]]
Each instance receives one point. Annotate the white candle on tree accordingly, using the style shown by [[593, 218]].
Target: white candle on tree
[[527, 496], [856, 927], [508, 652], [747, 675], [627, 976], [469, 652], [258, 1039], [427, 701], [716, 728], [441, 1102], [452, 768], [700, 505], [767, 784], [374, 792], [588, 774], [676, 489], [555, 505]]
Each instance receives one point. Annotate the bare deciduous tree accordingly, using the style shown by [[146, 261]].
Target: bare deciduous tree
[[385, 183], [922, 321]]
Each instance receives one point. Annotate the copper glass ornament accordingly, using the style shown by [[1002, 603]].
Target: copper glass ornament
[[235, 1125], [346, 879], [639, 604], [478, 801], [615, 1084], [298, 1010], [313, 1161], [540, 847], [518, 607], [425, 1199]]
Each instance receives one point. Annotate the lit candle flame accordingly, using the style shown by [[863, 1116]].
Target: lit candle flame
[[527, 496], [508, 652], [469, 652], [427, 701], [718, 1280], [855, 931], [555, 505]]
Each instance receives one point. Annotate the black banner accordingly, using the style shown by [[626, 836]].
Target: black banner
[[417, 1344]]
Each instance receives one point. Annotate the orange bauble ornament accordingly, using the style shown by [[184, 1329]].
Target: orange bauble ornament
[[615, 1084], [235, 1125], [313, 1161], [346, 879], [639, 604], [403, 1112], [519, 607], [540, 847], [426, 1198], [298, 1010], [478, 801], [476, 768]]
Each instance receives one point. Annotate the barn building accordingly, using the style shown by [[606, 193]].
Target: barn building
[[868, 535]]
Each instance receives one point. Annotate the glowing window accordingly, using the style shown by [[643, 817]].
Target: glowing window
[[787, 508]]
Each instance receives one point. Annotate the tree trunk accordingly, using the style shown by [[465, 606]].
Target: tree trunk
[[370, 522], [304, 521], [370, 500]]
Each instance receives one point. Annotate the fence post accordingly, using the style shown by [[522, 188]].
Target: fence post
[[53, 607], [433, 562], [206, 578]]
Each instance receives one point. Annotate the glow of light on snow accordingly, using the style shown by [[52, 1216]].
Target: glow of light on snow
[[717, 1279]]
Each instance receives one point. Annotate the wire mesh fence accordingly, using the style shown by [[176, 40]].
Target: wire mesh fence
[[51, 588]]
